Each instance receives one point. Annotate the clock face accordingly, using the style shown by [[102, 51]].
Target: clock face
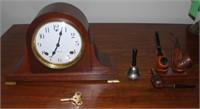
[[57, 44]]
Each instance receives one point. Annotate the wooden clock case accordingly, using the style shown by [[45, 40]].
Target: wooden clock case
[[91, 66]]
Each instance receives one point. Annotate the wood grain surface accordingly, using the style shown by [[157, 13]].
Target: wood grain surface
[[116, 40]]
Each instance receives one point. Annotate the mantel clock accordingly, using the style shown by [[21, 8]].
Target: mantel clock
[[59, 47]]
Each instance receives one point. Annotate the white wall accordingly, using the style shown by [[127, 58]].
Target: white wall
[[97, 11]]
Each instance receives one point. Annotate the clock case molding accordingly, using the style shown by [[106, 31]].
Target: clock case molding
[[93, 65]]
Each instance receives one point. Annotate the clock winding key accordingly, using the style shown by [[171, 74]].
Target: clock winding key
[[76, 99]]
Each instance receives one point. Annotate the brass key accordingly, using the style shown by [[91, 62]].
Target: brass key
[[76, 99]]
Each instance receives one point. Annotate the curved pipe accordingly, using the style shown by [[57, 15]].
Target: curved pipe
[[179, 63]]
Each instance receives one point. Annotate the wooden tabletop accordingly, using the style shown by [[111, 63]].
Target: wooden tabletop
[[117, 41]]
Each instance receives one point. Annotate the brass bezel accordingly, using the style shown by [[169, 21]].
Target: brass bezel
[[54, 65]]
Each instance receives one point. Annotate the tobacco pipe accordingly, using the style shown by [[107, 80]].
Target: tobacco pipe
[[179, 63], [133, 72], [162, 63], [157, 82]]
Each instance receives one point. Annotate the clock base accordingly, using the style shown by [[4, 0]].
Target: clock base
[[22, 72]]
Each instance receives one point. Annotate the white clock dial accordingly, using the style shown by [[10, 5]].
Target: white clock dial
[[57, 43]]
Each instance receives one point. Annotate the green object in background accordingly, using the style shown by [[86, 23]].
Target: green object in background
[[194, 7]]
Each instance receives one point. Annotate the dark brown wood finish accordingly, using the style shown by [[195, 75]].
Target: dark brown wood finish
[[89, 67], [116, 40]]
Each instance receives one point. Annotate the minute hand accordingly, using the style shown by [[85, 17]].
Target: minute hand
[[58, 44]]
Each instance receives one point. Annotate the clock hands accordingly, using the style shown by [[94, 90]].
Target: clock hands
[[57, 45]]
